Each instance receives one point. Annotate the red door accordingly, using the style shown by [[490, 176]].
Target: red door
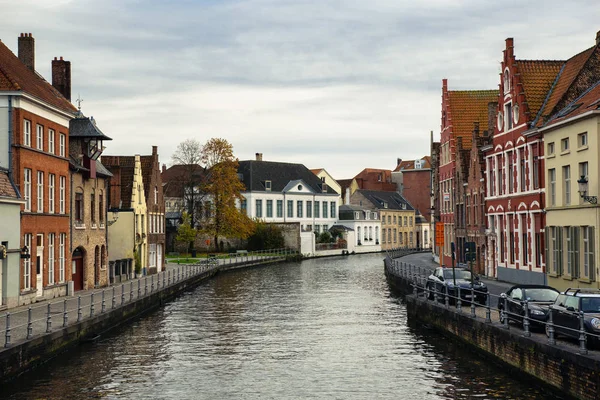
[[77, 273]]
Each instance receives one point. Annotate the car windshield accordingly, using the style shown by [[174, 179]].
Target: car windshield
[[590, 304], [460, 274], [540, 294]]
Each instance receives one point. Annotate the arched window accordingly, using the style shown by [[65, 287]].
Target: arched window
[[506, 81]]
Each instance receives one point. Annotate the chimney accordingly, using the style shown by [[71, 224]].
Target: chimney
[[61, 77], [27, 50], [154, 150], [597, 38], [164, 168], [258, 156], [348, 195]]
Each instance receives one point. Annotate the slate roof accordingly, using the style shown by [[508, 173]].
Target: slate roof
[[84, 127], [467, 107], [393, 199], [16, 77], [6, 187], [100, 169], [255, 173]]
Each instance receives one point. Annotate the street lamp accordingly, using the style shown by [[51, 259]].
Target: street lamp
[[583, 188]]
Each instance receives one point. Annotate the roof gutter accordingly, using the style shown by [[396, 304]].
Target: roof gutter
[[571, 120]]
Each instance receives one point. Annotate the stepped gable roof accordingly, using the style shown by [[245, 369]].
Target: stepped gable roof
[[255, 173], [6, 187], [537, 78], [588, 101], [147, 163], [15, 76], [84, 127], [381, 199], [126, 166], [467, 107]]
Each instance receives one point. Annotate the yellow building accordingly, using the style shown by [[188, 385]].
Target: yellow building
[[572, 214]]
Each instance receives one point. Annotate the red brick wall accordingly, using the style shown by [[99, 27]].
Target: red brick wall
[[417, 190]]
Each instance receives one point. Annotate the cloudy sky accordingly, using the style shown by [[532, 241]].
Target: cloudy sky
[[338, 84]]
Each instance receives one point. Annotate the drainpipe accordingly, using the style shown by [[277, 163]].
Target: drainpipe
[[10, 144]]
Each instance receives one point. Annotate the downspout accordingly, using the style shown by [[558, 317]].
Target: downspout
[[10, 144]]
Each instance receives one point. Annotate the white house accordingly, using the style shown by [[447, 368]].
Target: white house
[[363, 228], [278, 192]]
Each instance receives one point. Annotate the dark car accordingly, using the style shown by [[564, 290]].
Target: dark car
[[444, 282], [566, 311], [539, 298]]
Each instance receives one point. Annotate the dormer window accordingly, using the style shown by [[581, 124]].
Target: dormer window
[[268, 186], [374, 215], [356, 215], [385, 204], [324, 187]]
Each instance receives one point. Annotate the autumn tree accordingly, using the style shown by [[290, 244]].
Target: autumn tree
[[185, 232], [224, 188]]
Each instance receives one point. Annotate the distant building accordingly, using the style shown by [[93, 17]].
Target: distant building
[[362, 228], [413, 180], [375, 179]]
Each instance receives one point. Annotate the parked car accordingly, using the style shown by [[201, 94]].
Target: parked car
[[566, 311], [539, 298], [442, 281]]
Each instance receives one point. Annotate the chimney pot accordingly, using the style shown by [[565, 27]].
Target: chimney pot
[[61, 77], [27, 51], [259, 157]]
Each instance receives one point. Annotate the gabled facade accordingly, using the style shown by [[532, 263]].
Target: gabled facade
[[460, 109], [396, 214], [155, 208], [363, 228], [514, 171], [36, 132], [89, 183], [327, 179], [284, 192]]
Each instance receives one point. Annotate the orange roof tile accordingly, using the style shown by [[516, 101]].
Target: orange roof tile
[[537, 77], [15, 76], [589, 101], [467, 107]]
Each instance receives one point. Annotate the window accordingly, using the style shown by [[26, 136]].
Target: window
[[155, 195], [290, 208], [383, 236], [40, 137], [152, 255], [268, 186], [383, 220], [405, 221], [93, 207], [79, 208], [564, 144], [396, 221], [508, 116], [395, 235], [583, 172], [551, 148], [27, 188], [269, 208], [582, 139], [61, 145], [389, 219], [51, 258], [51, 185], [259, 210], [325, 209], [279, 208], [101, 210], [522, 174], [552, 180], [410, 221], [27, 133], [309, 209], [61, 194], [27, 263], [366, 233], [299, 208], [567, 184], [51, 135], [510, 172], [588, 252], [572, 239], [61, 257], [389, 235], [332, 211], [244, 206], [40, 192]]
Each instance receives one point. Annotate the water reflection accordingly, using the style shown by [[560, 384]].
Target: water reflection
[[322, 329]]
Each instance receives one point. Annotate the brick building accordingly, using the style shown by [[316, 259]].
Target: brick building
[[375, 179], [89, 188], [155, 206], [460, 109], [38, 126]]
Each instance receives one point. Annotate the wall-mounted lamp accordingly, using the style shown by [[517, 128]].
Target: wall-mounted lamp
[[583, 188], [25, 252]]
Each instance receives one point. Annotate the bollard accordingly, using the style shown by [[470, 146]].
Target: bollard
[[49, 319], [92, 305], [164, 278], [472, 301], [65, 314], [145, 286], [415, 286], [29, 324], [505, 311], [78, 308], [488, 310], [458, 301], [114, 300], [550, 327], [526, 324], [582, 334], [169, 278], [7, 332], [103, 302], [178, 273], [446, 297]]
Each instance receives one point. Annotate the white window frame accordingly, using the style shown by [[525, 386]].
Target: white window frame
[[51, 260], [61, 194], [62, 144], [27, 188], [27, 133], [61, 257], [552, 184], [40, 191], [566, 170], [51, 189], [51, 141], [39, 137]]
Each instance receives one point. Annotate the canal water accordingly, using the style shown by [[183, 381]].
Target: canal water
[[320, 329]]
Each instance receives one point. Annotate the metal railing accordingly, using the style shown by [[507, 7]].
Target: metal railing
[[45, 317], [416, 277]]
